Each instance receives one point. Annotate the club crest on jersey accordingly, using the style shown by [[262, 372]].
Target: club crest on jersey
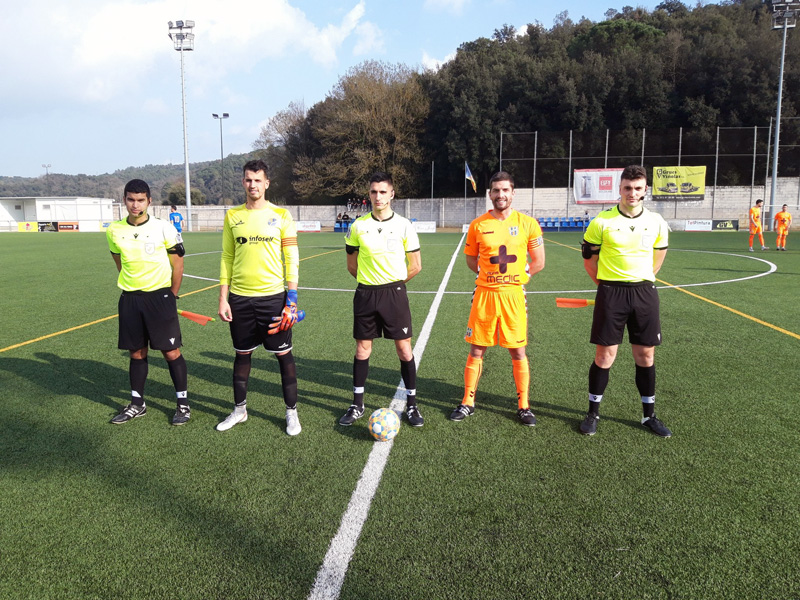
[[273, 222], [513, 230]]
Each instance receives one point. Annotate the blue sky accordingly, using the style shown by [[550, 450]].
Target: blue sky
[[93, 86]]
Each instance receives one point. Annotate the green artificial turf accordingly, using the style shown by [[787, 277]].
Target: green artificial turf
[[484, 508]]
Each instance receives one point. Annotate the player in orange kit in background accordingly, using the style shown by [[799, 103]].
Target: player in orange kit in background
[[782, 223], [755, 225]]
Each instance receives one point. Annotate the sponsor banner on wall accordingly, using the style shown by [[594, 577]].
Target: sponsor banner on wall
[[67, 226], [48, 225], [28, 226], [725, 225], [424, 226], [679, 183], [308, 226], [592, 186], [698, 225]]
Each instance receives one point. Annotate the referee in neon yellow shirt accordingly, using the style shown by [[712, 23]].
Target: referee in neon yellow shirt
[[148, 253], [378, 245], [623, 249]]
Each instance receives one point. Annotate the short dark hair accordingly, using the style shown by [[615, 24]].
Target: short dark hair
[[136, 186], [380, 177], [759, 201], [502, 176], [634, 172], [255, 166], [173, 207]]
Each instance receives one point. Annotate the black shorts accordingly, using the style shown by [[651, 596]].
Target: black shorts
[[149, 317], [381, 311], [252, 316], [633, 304]]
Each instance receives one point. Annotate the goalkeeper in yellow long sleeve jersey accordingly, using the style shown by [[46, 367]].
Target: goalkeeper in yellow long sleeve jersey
[[259, 245]]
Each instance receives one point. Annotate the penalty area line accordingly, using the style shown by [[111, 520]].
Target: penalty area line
[[330, 577]]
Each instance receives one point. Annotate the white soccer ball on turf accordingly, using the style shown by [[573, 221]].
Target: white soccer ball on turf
[[384, 424]]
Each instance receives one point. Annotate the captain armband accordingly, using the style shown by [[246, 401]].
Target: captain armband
[[177, 249], [588, 250]]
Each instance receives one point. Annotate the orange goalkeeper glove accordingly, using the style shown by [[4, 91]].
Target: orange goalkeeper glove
[[290, 316]]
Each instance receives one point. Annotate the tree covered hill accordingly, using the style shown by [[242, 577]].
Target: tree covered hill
[[677, 67], [166, 182]]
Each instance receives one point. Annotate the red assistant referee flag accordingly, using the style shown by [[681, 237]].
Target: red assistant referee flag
[[468, 175]]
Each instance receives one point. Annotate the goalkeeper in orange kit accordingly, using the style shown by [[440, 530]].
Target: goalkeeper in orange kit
[[782, 223], [497, 249]]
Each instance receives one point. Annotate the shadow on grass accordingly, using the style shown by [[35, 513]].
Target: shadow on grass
[[105, 384], [269, 554]]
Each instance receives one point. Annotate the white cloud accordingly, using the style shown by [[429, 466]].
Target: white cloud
[[369, 39], [454, 6], [434, 64], [99, 50]]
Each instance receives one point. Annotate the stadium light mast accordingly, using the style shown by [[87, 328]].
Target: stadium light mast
[[46, 168], [221, 155], [181, 35], [784, 16]]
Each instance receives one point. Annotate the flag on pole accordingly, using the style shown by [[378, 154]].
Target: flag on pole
[[468, 175]]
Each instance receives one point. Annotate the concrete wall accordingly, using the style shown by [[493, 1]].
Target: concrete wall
[[722, 203]]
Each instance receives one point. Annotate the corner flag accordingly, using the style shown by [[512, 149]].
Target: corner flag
[[468, 175]]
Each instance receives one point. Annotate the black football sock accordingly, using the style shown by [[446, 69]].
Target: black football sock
[[408, 370], [241, 375], [646, 384], [288, 379], [360, 372], [177, 371], [137, 372], [598, 380]]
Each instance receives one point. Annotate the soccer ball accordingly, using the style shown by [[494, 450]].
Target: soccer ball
[[384, 424]]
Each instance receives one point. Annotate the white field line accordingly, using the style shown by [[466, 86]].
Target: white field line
[[772, 269], [330, 577]]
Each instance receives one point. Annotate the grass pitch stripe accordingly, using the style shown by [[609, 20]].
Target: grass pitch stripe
[[330, 577], [63, 331], [50, 335], [733, 310]]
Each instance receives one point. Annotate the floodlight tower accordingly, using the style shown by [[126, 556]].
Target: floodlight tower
[[221, 155], [784, 16], [183, 38], [46, 168]]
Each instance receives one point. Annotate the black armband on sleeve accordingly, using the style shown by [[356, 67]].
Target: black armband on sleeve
[[351, 249], [177, 249], [587, 251]]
